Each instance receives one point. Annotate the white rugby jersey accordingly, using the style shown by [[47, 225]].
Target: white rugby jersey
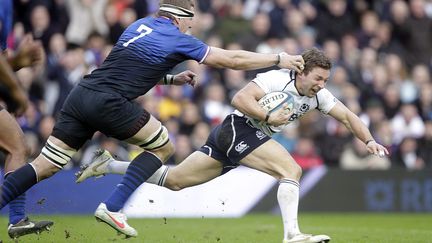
[[284, 80]]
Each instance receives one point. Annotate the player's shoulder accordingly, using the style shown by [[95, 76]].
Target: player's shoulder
[[325, 94]]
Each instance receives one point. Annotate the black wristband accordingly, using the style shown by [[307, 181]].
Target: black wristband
[[278, 59], [267, 117], [368, 141]]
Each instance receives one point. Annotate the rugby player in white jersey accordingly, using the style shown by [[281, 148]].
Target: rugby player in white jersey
[[239, 141]]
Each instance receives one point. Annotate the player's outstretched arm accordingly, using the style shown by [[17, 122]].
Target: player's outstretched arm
[[245, 60], [8, 79], [341, 113]]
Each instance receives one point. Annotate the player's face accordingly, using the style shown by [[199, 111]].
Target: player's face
[[314, 81]]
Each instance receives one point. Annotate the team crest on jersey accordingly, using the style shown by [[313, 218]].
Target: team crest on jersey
[[304, 108], [241, 147], [260, 135]]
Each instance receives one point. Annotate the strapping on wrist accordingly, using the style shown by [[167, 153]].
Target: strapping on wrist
[[168, 79]]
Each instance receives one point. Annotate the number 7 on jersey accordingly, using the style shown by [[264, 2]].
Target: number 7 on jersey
[[144, 30]]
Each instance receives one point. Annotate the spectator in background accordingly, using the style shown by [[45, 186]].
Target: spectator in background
[[333, 21], [362, 75], [384, 135], [425, 101], [258, 33], [86, 17], [406, 155], [277, 15], [383, 41], [94, 51], [171, 105], [234, 81], [369, 25], [414, 31], [231, 26], [407, 123], [425, 145], [189, 118], [199, 135], [391, 99], [333, 141], [183, 148], [68, 72], [373, 115], [41, 26], [215, 107], [356, 157], [305, 154]]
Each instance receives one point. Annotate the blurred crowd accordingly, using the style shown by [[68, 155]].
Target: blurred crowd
[[381, 52]]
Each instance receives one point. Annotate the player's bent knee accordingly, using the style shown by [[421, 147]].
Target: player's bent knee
[[57, 155], [172, 183], [293, 171]]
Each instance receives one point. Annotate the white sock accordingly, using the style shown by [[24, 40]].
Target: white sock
[[117, 167], [120, 167], [288, 198], [159, 177]]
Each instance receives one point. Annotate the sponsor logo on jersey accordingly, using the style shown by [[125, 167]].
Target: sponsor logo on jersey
[[241, 147], [304, 107], [260, 135]]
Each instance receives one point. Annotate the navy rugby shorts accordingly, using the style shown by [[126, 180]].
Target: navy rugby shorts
[[232, 140], [86, 111]]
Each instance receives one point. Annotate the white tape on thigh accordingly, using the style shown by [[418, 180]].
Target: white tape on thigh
[[56, 155], [156, 140]]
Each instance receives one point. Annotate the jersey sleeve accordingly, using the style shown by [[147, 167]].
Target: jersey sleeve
[[270, 81], [5, 22], [326, 101], [193, 48]]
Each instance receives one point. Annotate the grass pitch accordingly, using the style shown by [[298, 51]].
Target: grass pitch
[[343, 228]]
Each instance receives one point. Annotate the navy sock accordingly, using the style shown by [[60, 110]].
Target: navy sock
[[139, 170], [16, 184], [16, 207]]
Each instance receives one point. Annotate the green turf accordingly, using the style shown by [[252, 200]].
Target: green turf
[[344, 228]]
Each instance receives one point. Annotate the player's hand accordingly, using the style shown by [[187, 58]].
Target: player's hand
[[377, 149], [280, 116], [29, 53], [291, 62], [185, 77], [21, 100]]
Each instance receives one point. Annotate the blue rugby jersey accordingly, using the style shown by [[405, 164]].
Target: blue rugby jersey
[[146, 51], [6, 15]]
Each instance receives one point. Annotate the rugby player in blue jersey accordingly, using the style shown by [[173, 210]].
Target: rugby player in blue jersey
[[12, 140], [104, 101], [244, 138]]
